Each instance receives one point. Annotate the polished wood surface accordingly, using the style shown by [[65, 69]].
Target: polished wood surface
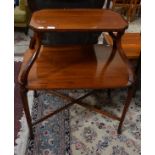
[[77, 20], [131, 44], [75, 67]]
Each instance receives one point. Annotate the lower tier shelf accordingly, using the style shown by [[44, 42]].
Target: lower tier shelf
[[75, 66]]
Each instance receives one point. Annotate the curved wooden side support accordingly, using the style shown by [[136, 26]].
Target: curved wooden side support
[[27, 68], [114, 48], [113, 52], [33, 41], [124, 58]]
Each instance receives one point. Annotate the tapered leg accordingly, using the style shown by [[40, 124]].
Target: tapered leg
[[138, 75], [23, 93], [126, 106]]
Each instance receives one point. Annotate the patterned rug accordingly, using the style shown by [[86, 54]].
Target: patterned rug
[[78, 131], [51, 136]]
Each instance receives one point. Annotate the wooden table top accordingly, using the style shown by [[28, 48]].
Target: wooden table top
[[77, 20]]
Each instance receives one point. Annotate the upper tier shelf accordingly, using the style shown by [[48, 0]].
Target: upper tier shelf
[[77, 20]]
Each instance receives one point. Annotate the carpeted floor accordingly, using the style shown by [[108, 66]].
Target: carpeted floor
[[78, 131]]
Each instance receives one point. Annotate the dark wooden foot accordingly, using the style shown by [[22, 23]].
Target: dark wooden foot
[[35, 94], [31, 136], [126, 106], [23, 93]]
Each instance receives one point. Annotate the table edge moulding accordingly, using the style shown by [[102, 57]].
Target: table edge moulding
[[77, 20]]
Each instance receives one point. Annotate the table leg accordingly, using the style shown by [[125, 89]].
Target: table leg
[[126, 106], [130, 82], [124, 57], [31, 61], [113, 52], [23, 83], [23, 93]]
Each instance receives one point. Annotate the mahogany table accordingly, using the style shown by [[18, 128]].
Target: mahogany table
[[74, 66]]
